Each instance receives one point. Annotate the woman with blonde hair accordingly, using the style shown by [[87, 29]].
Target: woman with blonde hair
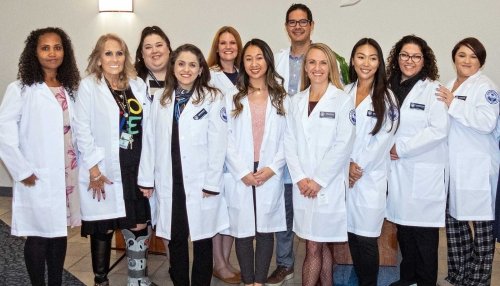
[[318, 142], [110, 113], [224, 59]]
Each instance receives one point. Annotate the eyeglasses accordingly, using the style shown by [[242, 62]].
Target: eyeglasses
[[302, 23], [414, 58]]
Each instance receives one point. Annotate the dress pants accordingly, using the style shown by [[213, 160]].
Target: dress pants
[[179, 247], [419, 249]]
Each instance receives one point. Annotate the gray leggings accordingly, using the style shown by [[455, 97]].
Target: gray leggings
[[250, 272]]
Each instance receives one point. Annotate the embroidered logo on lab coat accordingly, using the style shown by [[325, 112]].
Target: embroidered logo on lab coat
[[393, 113], [223, 114], [491, 96], [352, 116]]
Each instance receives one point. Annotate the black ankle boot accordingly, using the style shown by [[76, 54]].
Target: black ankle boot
[[100, 248]]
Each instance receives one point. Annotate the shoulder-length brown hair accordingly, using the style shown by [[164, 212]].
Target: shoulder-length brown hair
[[333, 70], [200, 85], [94, 67], [274, 81], [213, 56]]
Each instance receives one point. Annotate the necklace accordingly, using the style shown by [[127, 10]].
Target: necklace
[[121, 99], [257, 90]]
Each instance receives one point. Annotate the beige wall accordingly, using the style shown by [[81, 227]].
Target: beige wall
[[442, 23]]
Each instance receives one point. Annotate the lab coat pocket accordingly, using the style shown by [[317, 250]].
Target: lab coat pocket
[[428, 182], [199, 131], [37, 195], [473, 183], [371, 190], [274, 217], [210, 202]]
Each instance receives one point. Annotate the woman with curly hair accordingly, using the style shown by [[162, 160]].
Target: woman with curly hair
[[182, 163], [37, 147], [224, 60], [255, 160], [111, 110], [151, 58], [416, 199]]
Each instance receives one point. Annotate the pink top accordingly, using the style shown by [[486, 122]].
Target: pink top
[[72, 200], [258, 112]]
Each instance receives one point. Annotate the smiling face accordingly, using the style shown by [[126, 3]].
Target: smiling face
[[299, 34], [365, 62], [255, 63], [316, 66], [112, 59], [50, 52], [466, 62], [227, 47], [155, 53], [186, 69], [409, 67]]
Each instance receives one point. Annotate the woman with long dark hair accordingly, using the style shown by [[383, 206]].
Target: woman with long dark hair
[[377, 116], [182, 162], [416, 199], [151, 58], [37, 147], [255, 161]]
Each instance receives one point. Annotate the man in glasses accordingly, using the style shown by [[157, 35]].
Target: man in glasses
[[299, 25]]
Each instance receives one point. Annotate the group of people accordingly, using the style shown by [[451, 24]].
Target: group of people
[[248, 146]]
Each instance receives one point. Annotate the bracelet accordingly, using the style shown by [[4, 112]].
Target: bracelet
[[96, 178]]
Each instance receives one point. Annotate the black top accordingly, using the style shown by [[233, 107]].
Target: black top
[[233, 77], [130, 121]]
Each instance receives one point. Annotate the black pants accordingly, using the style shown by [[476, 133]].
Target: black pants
[[179, 247], [254, 265], [39, 251], [365, 258], [419, 249]]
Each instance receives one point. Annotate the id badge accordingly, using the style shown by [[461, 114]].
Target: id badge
[[322, 199], [125, 140]]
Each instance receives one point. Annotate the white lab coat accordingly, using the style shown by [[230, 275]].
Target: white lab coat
[[240, 161], [417, 186], [220, 80], [282, 65], [366, 201], [32, 142], [203, 143], [474, 154], [318, 147], [97, 133]]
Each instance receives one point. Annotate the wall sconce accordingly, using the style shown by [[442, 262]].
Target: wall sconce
[[116, 6]]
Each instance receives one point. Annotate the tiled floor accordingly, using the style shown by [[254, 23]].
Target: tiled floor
[[78, 260]]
